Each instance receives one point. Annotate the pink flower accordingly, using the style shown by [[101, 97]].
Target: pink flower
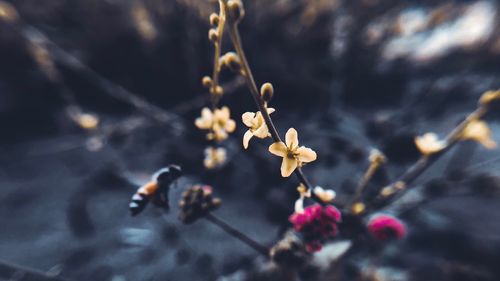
[[316, 223], [385, 227]]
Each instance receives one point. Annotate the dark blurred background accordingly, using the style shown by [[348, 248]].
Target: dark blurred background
[[349, 75]]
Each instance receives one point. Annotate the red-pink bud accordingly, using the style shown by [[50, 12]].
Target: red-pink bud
[[385, 227]]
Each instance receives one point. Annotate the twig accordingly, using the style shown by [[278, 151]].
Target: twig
[[197, 102], [111, 88], [214, 96], [237, 234], [11, 271], [364, 181], [398, 188]]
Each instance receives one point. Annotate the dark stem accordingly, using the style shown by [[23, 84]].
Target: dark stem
[[261, 105], [238, 234]]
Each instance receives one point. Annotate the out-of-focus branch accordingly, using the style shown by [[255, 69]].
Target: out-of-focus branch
[[22, 273]]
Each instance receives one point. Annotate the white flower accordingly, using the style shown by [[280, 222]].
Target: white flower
[[256, 126], [293, 155], [429, 143]]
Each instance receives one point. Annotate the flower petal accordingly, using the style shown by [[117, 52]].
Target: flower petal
[[278, 149], [246, 138], [292, 139], [247, 118], [262, 132], [224, 113], [206, 119], [306, 154], [299, 205], [202, 123], [206, 113], [429, 143], [230, 126], [288, 166]]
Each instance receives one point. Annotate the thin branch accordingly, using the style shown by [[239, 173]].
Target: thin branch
[[261, 104], [11, 271], [217, 67], [116, 91], [363, 183], [237, 234], [397, 189]]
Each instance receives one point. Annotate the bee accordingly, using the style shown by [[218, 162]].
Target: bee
[[155, 190]]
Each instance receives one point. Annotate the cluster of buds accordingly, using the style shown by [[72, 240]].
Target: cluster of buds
[[214, 157], [218, 122], [197, 202], [214, 89], [316, 224]]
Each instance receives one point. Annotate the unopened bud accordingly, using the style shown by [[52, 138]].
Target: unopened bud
[[218, 90], [7, 12], [212, 35], [358, 208], [267, 92], [235, 10], [232, 61], [214, 20], [207, 82]]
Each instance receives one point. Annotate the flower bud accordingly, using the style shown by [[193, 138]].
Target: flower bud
[[7, 12], [235, 9], [358, 208], [214, 20], [267, 92], [196, 202], [488, 97], [212, 35], [88, 121], [218, 90], [207, 81], [385, 227], [231, 61]]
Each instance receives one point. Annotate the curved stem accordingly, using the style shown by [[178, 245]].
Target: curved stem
[[247, 73], [217, 54]]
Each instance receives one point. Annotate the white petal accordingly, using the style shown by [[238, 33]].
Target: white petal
[[246, 138], [279, 149], [262, 132], [288, 166], [292, 139], [230, 126], [306, 154], [247, 118]]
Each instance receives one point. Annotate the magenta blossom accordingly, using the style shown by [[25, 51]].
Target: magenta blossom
[[316, 223], [385, 227]]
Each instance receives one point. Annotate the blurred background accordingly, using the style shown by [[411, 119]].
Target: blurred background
[[349, 75]]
